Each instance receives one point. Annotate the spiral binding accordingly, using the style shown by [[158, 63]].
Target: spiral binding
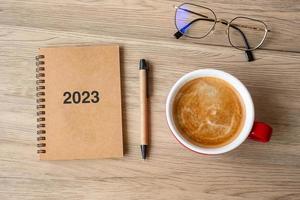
[[40, 93]]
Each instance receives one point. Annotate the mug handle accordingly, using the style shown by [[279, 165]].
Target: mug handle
[[261, 132]]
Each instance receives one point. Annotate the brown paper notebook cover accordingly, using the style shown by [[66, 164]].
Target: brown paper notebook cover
[[79, 103]]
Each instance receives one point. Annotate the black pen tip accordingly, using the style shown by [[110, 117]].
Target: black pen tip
[[144, 151], [143, 64]]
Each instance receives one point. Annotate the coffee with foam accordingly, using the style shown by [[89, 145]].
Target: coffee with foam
[[208, 112]]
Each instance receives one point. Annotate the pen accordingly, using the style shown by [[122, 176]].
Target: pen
[[143, 68]]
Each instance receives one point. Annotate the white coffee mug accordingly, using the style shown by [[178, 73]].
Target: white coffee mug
[[258, 131]]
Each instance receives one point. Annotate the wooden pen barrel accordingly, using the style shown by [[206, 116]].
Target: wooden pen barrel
[[144, 107]]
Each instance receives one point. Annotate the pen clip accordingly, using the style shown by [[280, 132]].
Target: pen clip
[[144, 66], [147, 80]]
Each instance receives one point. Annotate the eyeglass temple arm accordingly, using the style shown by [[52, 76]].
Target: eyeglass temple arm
[[249, 53], [179, 33]]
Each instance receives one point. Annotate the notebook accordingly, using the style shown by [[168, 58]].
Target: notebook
[[79, 113]]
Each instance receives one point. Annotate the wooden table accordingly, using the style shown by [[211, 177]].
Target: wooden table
[[144, 30]]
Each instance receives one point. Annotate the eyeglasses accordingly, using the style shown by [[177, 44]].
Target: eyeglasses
[[243, 33]]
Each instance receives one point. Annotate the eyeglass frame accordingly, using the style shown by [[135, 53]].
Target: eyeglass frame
[[229, 24]]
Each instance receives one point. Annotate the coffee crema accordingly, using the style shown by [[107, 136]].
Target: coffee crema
[[208, 112]]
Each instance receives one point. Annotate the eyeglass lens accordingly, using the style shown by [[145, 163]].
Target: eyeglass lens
[[241, 28], [194, 21]]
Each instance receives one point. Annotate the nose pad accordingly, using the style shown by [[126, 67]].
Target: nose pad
[[212, 31], [226, 31]]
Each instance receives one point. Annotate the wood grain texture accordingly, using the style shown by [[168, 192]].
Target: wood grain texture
[[144, 30]]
